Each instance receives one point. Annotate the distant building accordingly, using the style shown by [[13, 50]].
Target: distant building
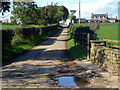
[[99, 17], [64, 22], [5, 19], [112, 20], [82, 20]]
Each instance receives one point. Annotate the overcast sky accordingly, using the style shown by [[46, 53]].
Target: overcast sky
[[87, 6]]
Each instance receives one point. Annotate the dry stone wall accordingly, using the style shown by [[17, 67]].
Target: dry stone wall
[[106, 58]]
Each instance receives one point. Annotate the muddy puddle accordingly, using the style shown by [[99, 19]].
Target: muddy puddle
[[71, 81]]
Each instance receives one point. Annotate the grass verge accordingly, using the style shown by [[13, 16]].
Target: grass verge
[[76, 51]]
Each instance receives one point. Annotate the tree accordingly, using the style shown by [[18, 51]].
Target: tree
[[48, 15], [4, 6], [13, 20], [85, 20], [29, 13], [64, 12], [116, 20], [72, 16], [73, 12], [52, 14], [26, 12]]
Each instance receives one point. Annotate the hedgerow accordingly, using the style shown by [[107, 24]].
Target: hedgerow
[[23, 36]]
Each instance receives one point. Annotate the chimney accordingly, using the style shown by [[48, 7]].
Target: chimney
[[91, 15], [107, 14]]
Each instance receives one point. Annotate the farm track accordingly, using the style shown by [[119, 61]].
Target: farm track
[[33, 68], [49, 59]]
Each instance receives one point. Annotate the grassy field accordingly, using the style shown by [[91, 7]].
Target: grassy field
[[16, 26], [108, 31], [9, 26]]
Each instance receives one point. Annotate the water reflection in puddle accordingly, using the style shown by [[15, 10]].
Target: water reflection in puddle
[[66, 81], [71, 81]]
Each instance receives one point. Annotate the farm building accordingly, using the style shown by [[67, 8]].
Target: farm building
[[99, 17], [112, 20]]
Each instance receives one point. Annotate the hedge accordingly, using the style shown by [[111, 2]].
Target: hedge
[[19, 35], [27, 33], [47, 29], [7, 36], [79, 33]]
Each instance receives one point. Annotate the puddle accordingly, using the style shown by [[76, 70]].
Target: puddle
[[71, 81], [66, 81]]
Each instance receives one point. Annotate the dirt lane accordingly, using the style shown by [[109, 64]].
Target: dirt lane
[[42, 64], [33, 68]]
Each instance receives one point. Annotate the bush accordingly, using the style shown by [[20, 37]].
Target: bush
[[24, 34], [116, 20], [27, 33], [7, 36], [72, 29], [80, 35], [20, 39], [47, 29]]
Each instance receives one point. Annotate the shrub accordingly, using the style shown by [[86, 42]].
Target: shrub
[[7, 36], [80, 35], [47, 29], [20, 39], [24, 34], [27, 33], [116, 20]]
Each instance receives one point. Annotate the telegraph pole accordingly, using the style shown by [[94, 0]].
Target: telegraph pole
[[79, 12]]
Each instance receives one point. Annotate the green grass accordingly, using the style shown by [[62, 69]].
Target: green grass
[[16, 26], [10, 26], [113, 44], [13, 51], [108, 31], [76, 51]]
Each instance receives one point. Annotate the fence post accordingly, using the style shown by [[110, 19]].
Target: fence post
[[88, 46]]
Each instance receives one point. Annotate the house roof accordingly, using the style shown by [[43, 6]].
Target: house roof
[[99, 15]]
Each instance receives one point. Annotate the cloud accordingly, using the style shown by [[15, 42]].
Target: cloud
[[98, 6], [87, 6]]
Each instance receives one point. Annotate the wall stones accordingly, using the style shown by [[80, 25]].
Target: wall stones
[[104, 57]]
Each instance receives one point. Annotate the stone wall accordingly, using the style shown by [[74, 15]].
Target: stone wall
[[106, 58]]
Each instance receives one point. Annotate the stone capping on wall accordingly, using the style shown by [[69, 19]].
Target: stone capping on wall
[[106, 58], [98, 43]]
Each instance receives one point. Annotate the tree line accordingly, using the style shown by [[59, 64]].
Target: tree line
[[28, 13]]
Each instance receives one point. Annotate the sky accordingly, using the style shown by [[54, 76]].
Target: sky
[[86, 6]]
